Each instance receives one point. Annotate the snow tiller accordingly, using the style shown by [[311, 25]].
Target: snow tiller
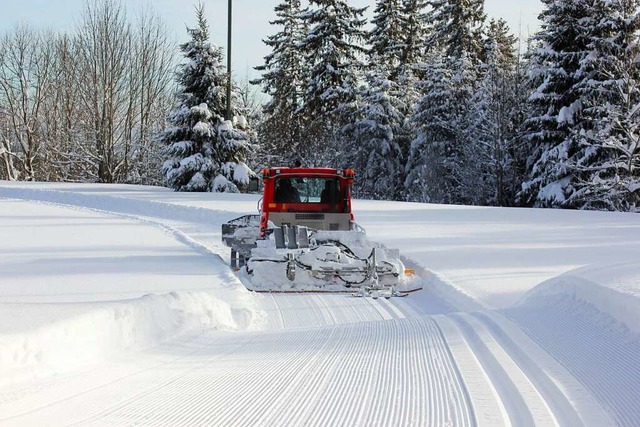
[[305, 239]]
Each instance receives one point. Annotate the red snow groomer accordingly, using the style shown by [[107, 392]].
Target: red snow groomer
[[318, 198], [305, 238]]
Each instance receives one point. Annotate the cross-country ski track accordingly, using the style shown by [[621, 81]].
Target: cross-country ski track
[[226, 356]]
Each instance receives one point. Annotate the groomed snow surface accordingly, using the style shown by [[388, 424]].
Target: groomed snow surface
[[117, 307]]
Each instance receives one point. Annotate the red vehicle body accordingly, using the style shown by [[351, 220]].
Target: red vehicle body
[[318, 198]]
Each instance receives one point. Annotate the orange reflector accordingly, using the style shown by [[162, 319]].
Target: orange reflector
[[272, 205], [409, 272]]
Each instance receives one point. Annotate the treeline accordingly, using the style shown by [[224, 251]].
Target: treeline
[[430, 102], [85, 106], [434, 102]]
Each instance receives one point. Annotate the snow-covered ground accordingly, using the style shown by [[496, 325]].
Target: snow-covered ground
[[117, 307]]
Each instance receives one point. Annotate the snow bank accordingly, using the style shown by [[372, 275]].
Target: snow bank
[[444, 289], [85, 333], [613, 290], [117, 204]]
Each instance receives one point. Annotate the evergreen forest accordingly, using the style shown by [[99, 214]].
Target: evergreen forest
[[428, 100]]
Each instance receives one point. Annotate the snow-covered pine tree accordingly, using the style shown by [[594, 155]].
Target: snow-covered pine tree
[[334, 60], [372, 143], [232, 147], [396, 41], [495, 119], [457, 27], [556, 117], [414, 31], [387, 37], [397, 46], [202, 149], [607, 165], [434, 167], [499, 45], [280, 130], [437, 157]]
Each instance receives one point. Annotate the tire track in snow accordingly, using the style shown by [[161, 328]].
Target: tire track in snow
[[395, 372], [396, 308], [393, 379], [484, 397], [586, 343], [329, 395], [308, 310], [309, 384], [523, 403], [156, 370], [284, 375], [570, 402], [156, 402], [454, 371]]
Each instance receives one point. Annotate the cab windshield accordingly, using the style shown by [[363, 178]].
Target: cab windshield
[[307, 190]]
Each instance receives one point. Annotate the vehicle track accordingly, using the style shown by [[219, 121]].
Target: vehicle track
[[523, 404], [605, 363], [315, 310], [395, 372], [529, 387], [567, 398]]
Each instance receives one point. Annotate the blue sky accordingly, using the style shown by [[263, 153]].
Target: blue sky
[[250, 21]]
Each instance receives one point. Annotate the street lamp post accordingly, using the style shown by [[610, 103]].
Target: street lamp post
[[229, 63]]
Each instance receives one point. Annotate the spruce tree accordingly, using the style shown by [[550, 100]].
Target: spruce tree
[[283, 67], [457, 27], [557, 72], [373, 146], [439, 156], [436, 160], [414, 33], [396, 40], [494, 122], [334, 49], [203, 150], [387, 37], [607, 165], [334, 60]]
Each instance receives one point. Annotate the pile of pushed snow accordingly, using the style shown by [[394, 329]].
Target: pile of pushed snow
[[71, 335], [613, 290], [113, 203], [448, 291]]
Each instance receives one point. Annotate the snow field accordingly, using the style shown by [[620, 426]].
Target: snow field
[[80, 316], [562, 349], [496, 255]]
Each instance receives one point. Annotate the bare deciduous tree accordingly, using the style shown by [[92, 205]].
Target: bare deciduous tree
[[25, 82], [103, 50], [86, 106], [150, 78], [125, 74]]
